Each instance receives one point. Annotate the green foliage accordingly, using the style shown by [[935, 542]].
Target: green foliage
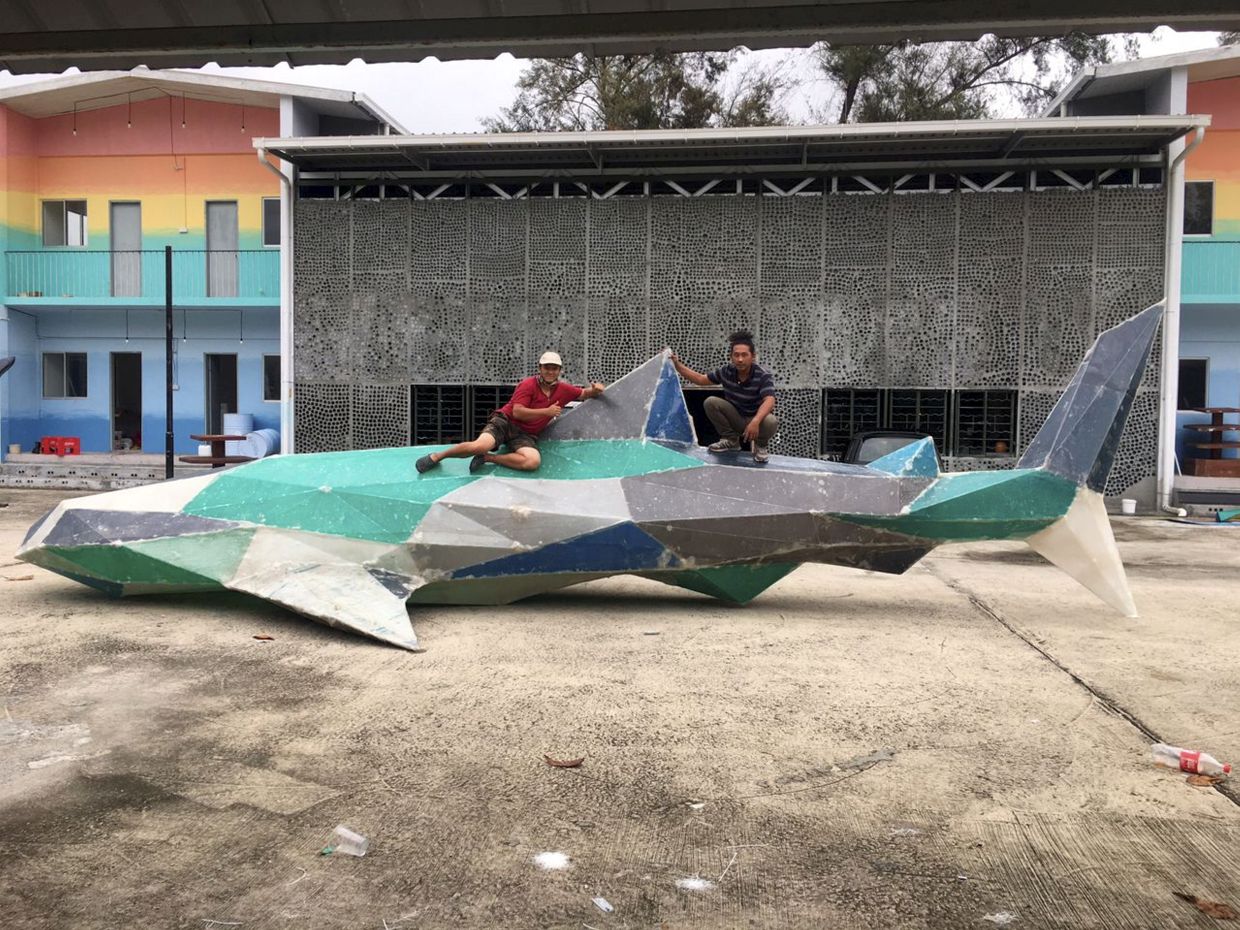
[[659, 91], [1229, 38], [957, 80]]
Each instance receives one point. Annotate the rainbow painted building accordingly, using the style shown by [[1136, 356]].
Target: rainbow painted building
[[99, 173], [1204, 235]]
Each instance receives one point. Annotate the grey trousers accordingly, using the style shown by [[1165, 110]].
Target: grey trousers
[[730, 422]]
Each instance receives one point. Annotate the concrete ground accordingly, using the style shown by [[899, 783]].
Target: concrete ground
[[963, 746]]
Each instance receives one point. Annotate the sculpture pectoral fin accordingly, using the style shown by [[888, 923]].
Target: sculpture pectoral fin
[[339, 594]]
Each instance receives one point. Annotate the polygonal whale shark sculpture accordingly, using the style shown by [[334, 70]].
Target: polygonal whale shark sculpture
[[349, 538]]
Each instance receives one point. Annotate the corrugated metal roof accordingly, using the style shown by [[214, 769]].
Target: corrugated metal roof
[[790, 148], [1120, 77], [105, 88], [97, 34]]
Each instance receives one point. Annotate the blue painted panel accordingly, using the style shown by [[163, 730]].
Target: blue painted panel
[[917, 459], [669, 417], [618, 548]]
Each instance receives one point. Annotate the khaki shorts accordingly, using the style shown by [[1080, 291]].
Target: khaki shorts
[[506, 432]]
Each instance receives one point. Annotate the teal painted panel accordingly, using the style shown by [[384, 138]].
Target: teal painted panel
[[65, 275], [980, 505], [1210, 271], [377, 494]]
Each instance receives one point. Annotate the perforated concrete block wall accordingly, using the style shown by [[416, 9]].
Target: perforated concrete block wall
[[959, 290]]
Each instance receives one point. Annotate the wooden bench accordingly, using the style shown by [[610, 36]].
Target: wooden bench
[[1213, 441]]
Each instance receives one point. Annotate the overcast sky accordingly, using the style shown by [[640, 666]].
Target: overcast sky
[[435, 96]]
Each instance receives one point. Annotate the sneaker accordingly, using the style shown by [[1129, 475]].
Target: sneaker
[[424, 464], [760, 454], [477, 462], [724, 445]]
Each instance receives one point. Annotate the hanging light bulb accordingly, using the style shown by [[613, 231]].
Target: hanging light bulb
[[129, 112], [243, 117], [182, 111], [75, 119], [241, 327]]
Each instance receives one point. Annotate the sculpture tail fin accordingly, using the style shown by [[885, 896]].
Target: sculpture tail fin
[[1079, 438], [1078, 442]]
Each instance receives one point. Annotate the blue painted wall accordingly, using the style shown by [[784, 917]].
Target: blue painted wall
[[1212, 331], [100, 332]]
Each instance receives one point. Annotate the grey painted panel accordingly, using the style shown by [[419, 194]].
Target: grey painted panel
[[80, 526], [788, 491], [620, 413]]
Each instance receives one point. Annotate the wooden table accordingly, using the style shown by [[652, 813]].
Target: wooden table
[[217, 458], [1213, 442]]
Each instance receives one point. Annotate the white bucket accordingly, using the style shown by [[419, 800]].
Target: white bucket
[[1127, 506]]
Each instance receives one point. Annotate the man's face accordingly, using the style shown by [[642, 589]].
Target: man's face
[[742, 357], [550, 373]]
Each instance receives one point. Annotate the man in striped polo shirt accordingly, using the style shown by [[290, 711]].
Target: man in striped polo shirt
[[744, 410]]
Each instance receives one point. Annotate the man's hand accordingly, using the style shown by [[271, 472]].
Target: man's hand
[[553, 411], [598, 387], [751, 430]]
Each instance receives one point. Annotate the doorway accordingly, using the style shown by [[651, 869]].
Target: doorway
[[221, 373], [221, 248], [126, 401], [126, 231]]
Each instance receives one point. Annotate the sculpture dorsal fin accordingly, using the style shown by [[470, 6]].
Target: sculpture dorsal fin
[[647, 403]]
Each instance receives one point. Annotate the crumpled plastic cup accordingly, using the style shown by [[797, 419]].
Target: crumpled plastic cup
[[348, 843]]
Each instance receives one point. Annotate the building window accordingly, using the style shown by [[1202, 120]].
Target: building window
[[919, 412], [847, 412], [1192, 393], [271, 377], [439, 413], [964, 423], [64, 222], [1198, 208], [271, 222], [484, 400], [64, 374], [985, 423]]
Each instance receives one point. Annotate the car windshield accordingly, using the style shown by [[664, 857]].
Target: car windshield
[[876, 447]]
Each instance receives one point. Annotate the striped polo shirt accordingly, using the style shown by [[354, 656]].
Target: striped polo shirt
[[744, 397]]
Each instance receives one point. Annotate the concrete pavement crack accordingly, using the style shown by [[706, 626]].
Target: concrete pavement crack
[[1111, 705]]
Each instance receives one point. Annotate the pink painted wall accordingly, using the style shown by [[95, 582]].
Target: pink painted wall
[[156, 128]]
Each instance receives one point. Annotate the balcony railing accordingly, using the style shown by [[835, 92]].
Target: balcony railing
[[1211, 272], [138, 276]]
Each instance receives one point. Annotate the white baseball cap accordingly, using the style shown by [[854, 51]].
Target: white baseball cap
[[551, 358]]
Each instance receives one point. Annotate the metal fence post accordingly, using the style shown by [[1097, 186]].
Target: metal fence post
[[168, 466]]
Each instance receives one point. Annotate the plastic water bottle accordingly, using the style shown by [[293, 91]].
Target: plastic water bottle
[[1188, 760], [348, 843]]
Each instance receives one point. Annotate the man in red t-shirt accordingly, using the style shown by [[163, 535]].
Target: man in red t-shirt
[[533, 405]]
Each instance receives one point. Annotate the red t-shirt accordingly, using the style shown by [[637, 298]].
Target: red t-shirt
[[529, 394]]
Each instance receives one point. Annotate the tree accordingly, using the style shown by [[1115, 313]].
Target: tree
[[1229, 38], [956, 80], [658, 91]]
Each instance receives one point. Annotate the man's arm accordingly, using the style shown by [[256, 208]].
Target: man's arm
[[594, 390], [528, 414], [764, 408], [693, 377]]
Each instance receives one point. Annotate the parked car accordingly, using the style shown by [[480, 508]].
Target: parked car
[[865, 448]]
